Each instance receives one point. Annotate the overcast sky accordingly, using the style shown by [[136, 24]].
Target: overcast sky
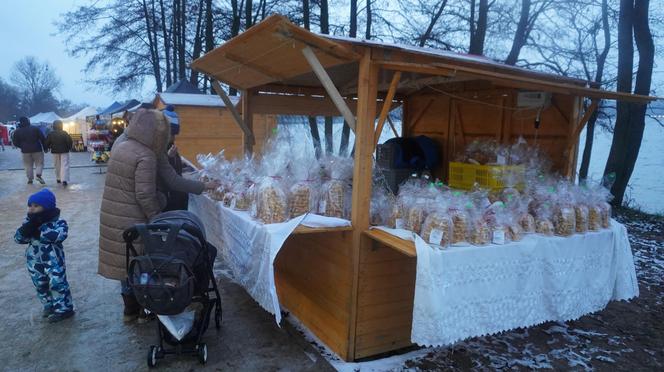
[[26, 28]]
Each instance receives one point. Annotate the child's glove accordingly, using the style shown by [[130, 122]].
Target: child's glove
[[30, 228]]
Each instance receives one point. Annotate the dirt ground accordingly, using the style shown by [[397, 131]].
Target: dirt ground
[[96, 338], [624, 336]]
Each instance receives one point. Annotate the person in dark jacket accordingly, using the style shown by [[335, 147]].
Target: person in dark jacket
[[31, 142], [59, 143], [176, 200]]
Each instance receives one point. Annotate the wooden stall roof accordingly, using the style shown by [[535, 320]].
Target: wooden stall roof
[[269, 57], [192, 99]]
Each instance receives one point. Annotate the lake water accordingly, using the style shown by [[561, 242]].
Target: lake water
[[646, 187]]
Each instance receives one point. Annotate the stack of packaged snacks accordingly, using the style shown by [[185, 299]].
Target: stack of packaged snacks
[[437, 229], [335, 190], [304, 192]]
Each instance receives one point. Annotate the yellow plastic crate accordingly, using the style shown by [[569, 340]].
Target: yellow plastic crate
[[464, 176]]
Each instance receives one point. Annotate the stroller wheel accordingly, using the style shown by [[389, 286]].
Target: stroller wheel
[[152, 356], [202, 353]]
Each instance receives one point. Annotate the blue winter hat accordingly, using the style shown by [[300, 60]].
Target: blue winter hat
[[173, 119], [44, 197]]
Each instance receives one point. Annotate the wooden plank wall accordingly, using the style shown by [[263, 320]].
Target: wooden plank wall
[[210, 129], [437, 115], [313, 275], [385, 300]]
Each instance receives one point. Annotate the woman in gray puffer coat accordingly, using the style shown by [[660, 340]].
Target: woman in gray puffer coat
[[130, 193]]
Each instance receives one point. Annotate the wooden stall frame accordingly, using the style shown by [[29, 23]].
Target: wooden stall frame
[[403, 72]]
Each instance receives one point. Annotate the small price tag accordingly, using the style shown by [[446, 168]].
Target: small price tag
[[436, 237], [399, 223], [233, 202], [498, 237], [501, 160], [254, 210], [322, 207]]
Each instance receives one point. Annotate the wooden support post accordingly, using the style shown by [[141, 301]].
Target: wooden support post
[[364, 137], [571, 149], [586, 116], [246, 130], [387, 105], [331, 90]]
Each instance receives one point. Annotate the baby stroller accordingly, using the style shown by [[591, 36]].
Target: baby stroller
[[173, 278]]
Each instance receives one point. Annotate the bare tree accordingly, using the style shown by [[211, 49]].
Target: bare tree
[[633, 25], [478, 27], [367, 31], [36, 81], [530, 11]]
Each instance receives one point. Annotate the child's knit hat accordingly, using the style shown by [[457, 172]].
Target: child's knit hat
[[44, 197], [173, 119]]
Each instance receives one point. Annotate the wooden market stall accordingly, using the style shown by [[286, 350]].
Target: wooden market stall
[[354, 288], [207, 124]]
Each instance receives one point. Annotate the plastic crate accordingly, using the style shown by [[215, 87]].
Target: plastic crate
[[464, 175], [385, 156]]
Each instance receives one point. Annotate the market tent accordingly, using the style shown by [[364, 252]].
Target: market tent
[[77, 124], [112, 108], [45, 118], [183, 86]]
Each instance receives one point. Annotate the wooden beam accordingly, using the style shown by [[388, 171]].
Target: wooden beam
[[332, 91], [281, 104], [364, 135], [260, 69], [387, 105], [448, 69], [570, 151], [309, 39], [582, 123], [249, 136], [394, 129]]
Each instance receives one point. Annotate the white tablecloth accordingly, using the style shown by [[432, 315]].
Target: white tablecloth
[[250, 248], [472, 291]]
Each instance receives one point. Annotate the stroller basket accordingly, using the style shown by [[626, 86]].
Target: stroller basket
[[172, 272], [161, 284]]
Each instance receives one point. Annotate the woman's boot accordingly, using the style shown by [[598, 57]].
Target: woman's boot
[[131, 308]]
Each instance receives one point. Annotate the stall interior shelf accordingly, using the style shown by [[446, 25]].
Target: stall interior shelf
[[403, 246], [301, 229]]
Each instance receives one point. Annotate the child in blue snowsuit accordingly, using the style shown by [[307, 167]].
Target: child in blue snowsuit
[[44, 232]]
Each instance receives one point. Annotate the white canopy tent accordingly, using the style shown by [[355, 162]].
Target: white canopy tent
[[77, 124], [45, 118]]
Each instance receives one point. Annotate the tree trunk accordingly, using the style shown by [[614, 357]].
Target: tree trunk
[[599, 77], [248, 14], [367, 33], [235, 30], [521, 35], [167, 44], [622, 159], [198, 43], [432, 24], [182, 64], [478, 33], [315, 137], [306, 14], [353, 19], [345, 136], [324, 18], [175, 32], [154, 55]]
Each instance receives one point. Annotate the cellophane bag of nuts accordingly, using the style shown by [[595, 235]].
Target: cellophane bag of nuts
[[382, 205], [271, 198], [304, 192], [602, 197], [458, 212], [437, 228], [581, 210], [480, 232], [415, 214], [336, 184], [543, 222]]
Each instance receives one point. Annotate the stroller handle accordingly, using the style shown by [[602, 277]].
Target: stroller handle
[[131, 234]]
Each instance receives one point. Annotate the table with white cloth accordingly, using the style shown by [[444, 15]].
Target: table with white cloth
[[250, 248], [468, 291]]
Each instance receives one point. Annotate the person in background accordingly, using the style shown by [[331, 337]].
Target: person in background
[[60, 143], [176, 200], [31, 142], [44, 231]]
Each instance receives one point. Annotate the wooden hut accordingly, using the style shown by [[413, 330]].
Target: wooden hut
[[354, 289], [207, 124]]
